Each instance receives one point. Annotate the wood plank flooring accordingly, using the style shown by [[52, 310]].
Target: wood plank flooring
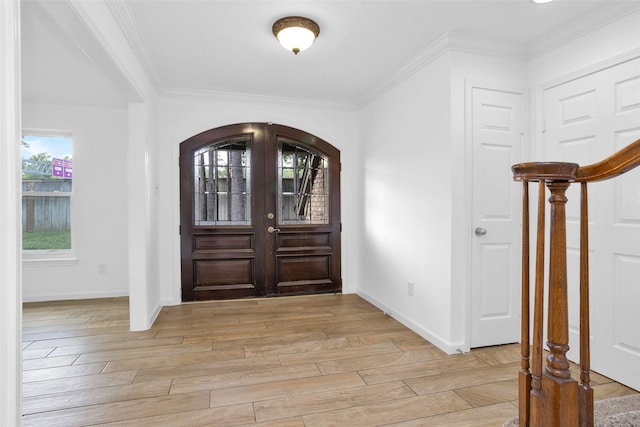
[[325, 360]]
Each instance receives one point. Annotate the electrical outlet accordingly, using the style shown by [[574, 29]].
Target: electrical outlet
[[102, 268], [410, 287]]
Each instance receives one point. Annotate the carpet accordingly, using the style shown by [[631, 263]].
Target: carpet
[[615, 412]]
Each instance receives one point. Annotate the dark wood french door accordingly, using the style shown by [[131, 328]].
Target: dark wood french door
[[259, 213]]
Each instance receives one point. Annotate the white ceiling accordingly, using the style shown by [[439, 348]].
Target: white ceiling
[[227, 46]]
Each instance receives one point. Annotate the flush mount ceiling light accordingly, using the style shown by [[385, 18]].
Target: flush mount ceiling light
[[541, 1], [295, 33]]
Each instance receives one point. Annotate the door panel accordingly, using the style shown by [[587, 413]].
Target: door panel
[[218, 215], [304, 249], [496, 141], [610, 119], [260, 213]]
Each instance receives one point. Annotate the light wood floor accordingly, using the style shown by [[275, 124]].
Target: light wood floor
[[330, 360]]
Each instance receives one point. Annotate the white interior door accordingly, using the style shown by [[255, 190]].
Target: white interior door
[[586, 120], [495, 285]]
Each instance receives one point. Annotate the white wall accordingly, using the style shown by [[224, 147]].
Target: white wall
[[142, 153], [122, 65], [182, 116], [417, 193], [99, 204], [154, 297], [407, 218]]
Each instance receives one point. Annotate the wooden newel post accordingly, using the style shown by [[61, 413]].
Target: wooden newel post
[[551, 398], [559, 389]]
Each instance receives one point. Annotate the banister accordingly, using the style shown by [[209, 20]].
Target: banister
[[550, 397], [620, 162]]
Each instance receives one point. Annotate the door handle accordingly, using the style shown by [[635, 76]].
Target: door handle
[[273, 230], [480, 232]]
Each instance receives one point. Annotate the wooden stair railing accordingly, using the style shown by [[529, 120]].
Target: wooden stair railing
[[551, 397]]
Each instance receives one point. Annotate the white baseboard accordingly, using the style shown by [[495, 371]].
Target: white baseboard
[[155, 314], [446, 346], [349, 291], [74, 296], [171, 301]]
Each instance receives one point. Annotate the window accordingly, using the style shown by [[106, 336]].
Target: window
[[47, 177]]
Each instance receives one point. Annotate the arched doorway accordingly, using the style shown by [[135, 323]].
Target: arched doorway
[[259, 213]]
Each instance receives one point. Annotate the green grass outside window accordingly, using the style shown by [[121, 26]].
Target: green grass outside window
[[46, 240]]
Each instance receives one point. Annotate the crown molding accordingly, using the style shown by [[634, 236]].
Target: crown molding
[[434, 51], [582, 26], [468, 43], [122, 15], [446, 43], [266, 99]]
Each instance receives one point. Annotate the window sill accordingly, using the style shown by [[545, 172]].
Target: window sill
[[48, 259]]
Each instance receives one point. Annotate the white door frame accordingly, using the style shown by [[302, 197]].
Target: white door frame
[[470, 85], [10, 217]]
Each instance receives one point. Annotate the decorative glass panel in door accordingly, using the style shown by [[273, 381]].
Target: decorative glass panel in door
[[303, 185], [222, 183]]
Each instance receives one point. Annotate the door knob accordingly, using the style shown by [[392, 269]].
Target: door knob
[[273, 230], [480, 231]]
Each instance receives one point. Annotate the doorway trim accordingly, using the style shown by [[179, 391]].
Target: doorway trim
[[10, 212], [468, 238]]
